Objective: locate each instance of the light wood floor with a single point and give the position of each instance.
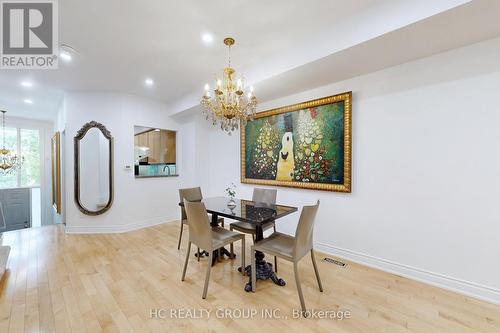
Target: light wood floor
(109, 283)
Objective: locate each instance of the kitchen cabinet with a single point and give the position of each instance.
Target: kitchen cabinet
(169, 141)
(161, 145)
(141, 140)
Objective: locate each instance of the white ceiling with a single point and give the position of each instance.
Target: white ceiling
(464, 25)
(121, 42)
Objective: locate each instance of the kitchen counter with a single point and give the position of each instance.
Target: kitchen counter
(158, 176)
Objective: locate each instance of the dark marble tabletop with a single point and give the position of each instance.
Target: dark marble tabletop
(246, 210)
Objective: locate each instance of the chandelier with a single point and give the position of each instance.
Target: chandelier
(230, 104)
(8, 160)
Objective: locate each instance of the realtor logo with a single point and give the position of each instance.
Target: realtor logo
(29, 34)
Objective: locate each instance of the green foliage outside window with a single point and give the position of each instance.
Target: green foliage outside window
(29, 175)
(30, 149)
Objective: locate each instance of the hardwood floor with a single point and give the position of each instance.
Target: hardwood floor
(110, 283)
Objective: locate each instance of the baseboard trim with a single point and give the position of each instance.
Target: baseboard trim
(118, 229)
(485, 293)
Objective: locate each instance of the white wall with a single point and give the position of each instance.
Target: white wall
(426, 163)
(137, 202)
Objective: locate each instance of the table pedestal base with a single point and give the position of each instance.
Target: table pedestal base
(203, 253)
(215, 257)
(264, 271)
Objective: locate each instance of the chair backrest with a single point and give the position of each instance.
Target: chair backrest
(304, 232)
(190, 194)
(200, 232)
(265, 195)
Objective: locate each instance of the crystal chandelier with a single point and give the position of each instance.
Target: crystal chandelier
(8, 161)
(230, 103)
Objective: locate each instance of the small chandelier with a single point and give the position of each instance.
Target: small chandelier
(8, 161)
(230, 103)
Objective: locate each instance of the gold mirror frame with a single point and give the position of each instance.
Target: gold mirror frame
(55, 150)
(79, 136)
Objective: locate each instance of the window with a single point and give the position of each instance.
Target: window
(25, 142)
(30, 149)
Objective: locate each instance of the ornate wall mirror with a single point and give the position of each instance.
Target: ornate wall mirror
(93, 169)
(55, 152)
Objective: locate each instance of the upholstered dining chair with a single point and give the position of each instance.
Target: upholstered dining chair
(208, 238)
(190, 194)
(264, 195)
(292, 248)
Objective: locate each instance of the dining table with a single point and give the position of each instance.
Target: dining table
(256, 213)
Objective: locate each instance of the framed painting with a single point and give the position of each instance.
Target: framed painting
(305, 145)
(55, 152)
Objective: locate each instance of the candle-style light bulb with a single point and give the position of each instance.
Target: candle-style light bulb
(219, 84)
(207, 90)
(251, 89)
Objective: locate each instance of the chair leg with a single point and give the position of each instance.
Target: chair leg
(316, 271)
(242, 255)
(186, 262)
(198, 253)
(180, 236)
(253, 279)
(299, 288)
(253, 238)
(207, 277)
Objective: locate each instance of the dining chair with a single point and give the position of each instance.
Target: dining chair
(264, 195)
(190, 194)
(208, 238)
(291, 248)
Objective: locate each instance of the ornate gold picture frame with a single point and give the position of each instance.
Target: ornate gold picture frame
(55, 149)
(305, 145)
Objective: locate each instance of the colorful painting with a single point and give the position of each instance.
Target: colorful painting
(306, 145)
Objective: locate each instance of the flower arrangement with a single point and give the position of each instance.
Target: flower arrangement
(231, 191)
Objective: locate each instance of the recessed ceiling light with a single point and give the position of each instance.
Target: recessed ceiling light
(27, 84)
(149, 82)
(65, 55)
(66, 52)
(28, 101)
(207, 38)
